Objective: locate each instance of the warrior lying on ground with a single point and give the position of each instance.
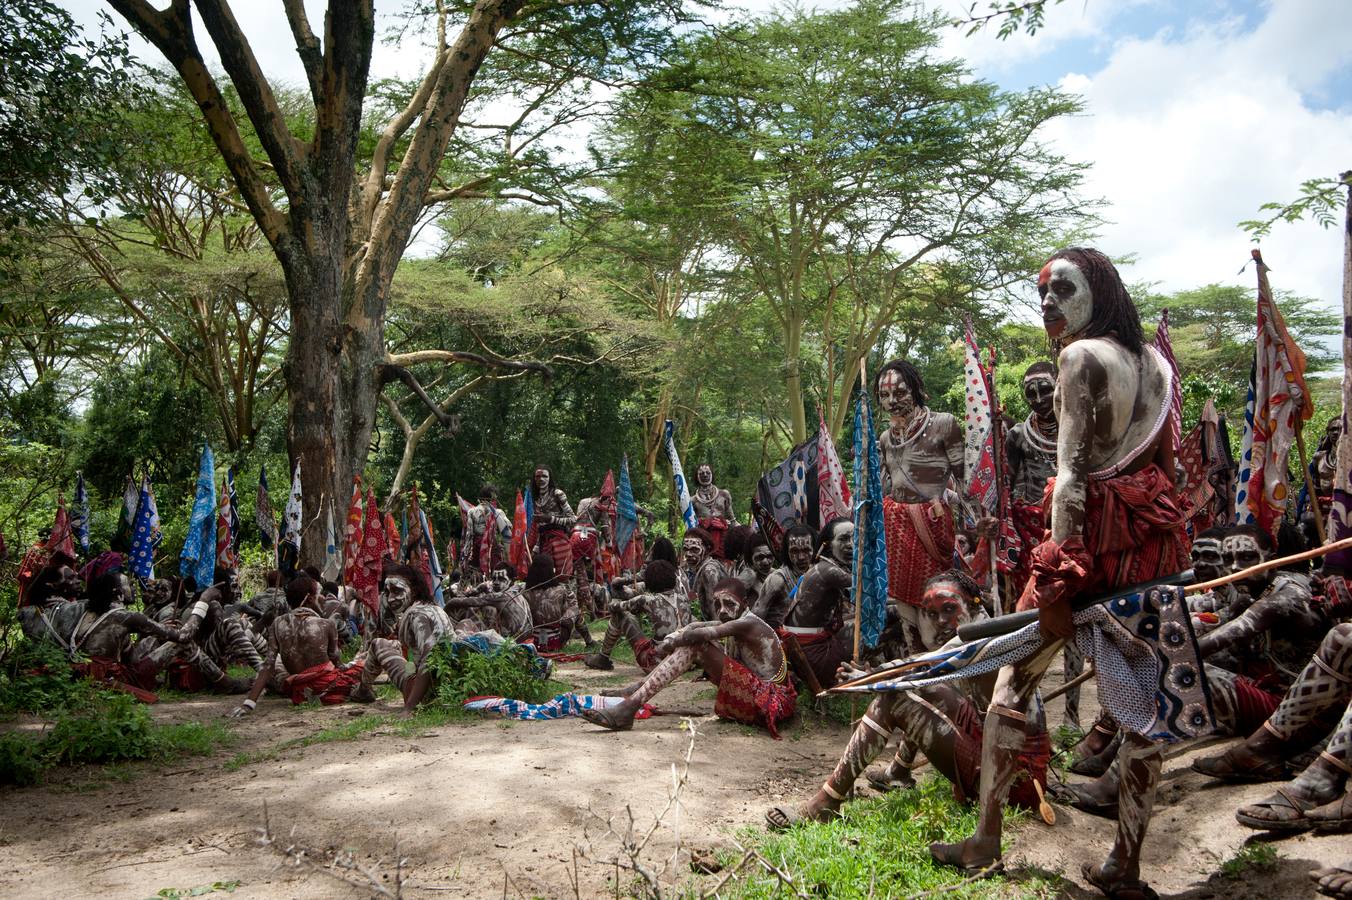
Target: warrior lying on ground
(1113, 522)
(816, 619)
(507, 600)
(304, 643)
(943, 721)
(421, 627)
(753, 682)
(658, 597)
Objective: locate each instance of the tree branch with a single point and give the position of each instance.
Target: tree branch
(307, 47)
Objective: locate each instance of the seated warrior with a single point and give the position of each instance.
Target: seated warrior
(944, 721)
(555, 615)
(753, 681)
(702, 571)
(422, 625)
(758, 561)
(514, 620)
(658, 597)
(713, 510)
(50, 613)
(821, 606)
(304, 643)
(269, 602)
(780, 590)
(212, 640)
(734, 550)
(1208, 564)
(921, 450)
(487, 529)
(553, 523)
(103, 635)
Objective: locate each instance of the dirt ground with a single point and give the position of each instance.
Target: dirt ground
(488, 808)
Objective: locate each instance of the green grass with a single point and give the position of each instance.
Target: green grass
(1251, 859)
(879, 848)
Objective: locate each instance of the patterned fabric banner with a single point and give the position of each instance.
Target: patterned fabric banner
(978, 452)
(832, 491)
(264, 517)
(682, 488)
(225, 547)
(145, 534)
(626, 514)
(333, 559)
(198, 559)
(352, 534)
(870, 542)
(79, 520)
(1166, 348)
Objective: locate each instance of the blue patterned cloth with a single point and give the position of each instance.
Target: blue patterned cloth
(145, 533)
(626, 517)
(198, 559)
(870, 542)
(561, 707)
(682, 488)
(79, 514)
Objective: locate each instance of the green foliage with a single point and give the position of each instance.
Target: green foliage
(1321, 199)
(508, 671)
(1255, 858)
(120, 728)
(879, 847)
(37, 678)
(21, 759)
(201, 890)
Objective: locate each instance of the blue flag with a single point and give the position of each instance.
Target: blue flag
(79, 516)
(870, 544)
(682, 489)
(626, 518)
(530, 508)
(145, 533)
(198, 560)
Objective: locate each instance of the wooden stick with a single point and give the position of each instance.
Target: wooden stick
(798, 661)
(1278, 563)
(1314, 494)
(1077, 680)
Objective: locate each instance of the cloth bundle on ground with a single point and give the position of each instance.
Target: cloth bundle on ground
(561, 707)
(325, 681)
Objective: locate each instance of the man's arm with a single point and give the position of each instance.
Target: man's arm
(141, 624)
(954, 449)
(1076, 389)
(260, 680)
(335, 652)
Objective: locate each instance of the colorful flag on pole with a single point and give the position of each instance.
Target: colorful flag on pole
(870, 544)
(366, 580)
(126, 520)
(79, 520)
(1279, 404)
(1166, 348)
(392, 545)
(518, 551)
(225, 547)
(979, 450)
(264, 517)
(145, 533)
(198, 559)
(333, 560)
(352, 533)
(60, 540)
(416, 546)
(833, 491)
(626, 510)
(788, 493)
(682, 489)
(433, 563)
(288, 544)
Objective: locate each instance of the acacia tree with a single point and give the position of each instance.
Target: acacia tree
(341, 225)
(845, 158)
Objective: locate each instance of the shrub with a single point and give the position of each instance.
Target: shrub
(21, 761)
(119, 728)
(509, 670)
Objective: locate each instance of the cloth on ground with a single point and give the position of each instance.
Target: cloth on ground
(561, 707)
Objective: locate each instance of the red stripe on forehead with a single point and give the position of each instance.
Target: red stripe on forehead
(1045, 275)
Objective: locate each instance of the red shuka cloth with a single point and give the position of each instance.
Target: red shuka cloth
(325, 680)
(909, 562)
(745, 697)
(645, 654)
(1253, 705)
(1032, 764)
(717, 529)
(556, 544)
(120, 676)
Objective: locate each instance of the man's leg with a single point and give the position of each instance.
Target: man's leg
(1319, 789)
(1073, 661)
(382, 655)
(622, 625)
(1305, 714)
(621, 717)
(1002, 741)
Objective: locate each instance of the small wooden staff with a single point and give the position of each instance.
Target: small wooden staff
(1314, 494)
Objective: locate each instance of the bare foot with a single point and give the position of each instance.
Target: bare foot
(616, 718)
(976, 854)
(1334, 881)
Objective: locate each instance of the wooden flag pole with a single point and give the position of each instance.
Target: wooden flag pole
(1311, 488)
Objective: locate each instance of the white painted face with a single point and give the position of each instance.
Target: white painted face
(704, 475)
(1067, 301)
(1241, 552)
(398, 592)
(894, 396)
(842, 544)
(762, 560)
(800, 552)
(693, 551)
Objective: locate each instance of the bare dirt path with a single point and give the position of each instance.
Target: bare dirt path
(479, 807)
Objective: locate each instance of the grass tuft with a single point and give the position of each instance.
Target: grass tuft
(1251, 859)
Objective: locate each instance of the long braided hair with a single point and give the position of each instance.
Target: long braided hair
(1114, 312)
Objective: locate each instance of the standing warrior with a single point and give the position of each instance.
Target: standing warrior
(480, 519)
(1030, 448)
(591, 533)
(920, 451)
(554, 518)
(713, 508)
(1114, 522)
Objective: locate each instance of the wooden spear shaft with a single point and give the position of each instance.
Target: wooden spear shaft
(1311, 488)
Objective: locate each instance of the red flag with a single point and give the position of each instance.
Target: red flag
(352, 534)
(518, 554)
(391, 537)
(366, 577)
(60, 539)
(225, 545)
(488, 538)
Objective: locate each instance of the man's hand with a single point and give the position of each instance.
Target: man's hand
(242, 710)
(847, 672)
(1058, 572)
(987, 527)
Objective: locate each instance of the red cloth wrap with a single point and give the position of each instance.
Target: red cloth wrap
(1133, 532)
(745, 697)
(909, 562)
(1253, 705)
(325, 680)
(1031, 766)
(716, 528)
(135, 680)
(1031, 525)
(645, 654)
(183, 676)
(824, 652)
(555, 544)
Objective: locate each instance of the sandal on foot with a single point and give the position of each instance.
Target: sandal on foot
(1334, 817)
(1285, 802)
(1118, 889)
(1229, 766)
(782, 818)
(884, 783)
(951, 855)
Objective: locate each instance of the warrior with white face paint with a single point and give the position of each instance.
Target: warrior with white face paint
(422, 625)
(921, 451)
(701, 570)
(554, 520)
(820, 610)
(1114, 521)
(781, 586)
(713, 509)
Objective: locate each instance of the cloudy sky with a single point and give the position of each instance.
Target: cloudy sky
(1196, 113)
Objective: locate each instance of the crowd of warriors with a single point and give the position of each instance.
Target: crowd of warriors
(1095, 504)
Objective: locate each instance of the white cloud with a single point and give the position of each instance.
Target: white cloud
(1189, 133)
